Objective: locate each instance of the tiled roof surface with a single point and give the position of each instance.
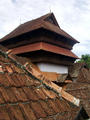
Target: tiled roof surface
(81, 91)
(36, 24)
(24, 97)
(80, 88)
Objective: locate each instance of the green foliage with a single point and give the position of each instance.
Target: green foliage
(85, 59)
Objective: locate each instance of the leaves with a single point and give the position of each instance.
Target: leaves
(85, 59)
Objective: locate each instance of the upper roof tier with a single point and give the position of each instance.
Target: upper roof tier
(47, 22)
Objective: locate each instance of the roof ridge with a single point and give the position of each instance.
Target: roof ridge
(41, 18)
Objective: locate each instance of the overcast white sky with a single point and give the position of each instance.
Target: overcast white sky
(72, 15)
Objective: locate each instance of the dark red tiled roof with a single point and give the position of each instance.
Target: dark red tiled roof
(36, 24)
(46, 47)
(80, 88)
(81, 91)
(25, 97)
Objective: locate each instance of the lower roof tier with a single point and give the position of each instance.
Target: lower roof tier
(45, 47)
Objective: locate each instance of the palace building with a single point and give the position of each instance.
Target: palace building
(44, 43)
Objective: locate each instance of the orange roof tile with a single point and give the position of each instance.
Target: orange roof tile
(23, 96)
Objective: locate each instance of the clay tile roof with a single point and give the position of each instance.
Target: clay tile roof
(25, 97)
(41, 22)
(80, 88)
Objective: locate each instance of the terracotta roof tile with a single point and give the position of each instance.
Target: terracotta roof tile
(62, 117)
(24, 96)
(27, 112)
(41, 94)
(62, 105)
(1, 98)
(9, 69)
(3, 80)
(49, 118)
(9, 80)
(39, 111)
(4, 94)
(11, 95)
(80, 87)
(14, 77)
(14, 112)
(45, 105)
(81, 91)
(30, 93)
(19, 94)
(53, 106)
(3, 113)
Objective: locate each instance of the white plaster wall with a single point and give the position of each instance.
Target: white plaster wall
(47, 67)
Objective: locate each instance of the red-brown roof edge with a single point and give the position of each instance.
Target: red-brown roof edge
(28, 25)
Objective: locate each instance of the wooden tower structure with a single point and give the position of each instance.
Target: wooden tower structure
(44, 42)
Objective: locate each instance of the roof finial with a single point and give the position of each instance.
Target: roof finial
(20, 20)
(50, 8)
